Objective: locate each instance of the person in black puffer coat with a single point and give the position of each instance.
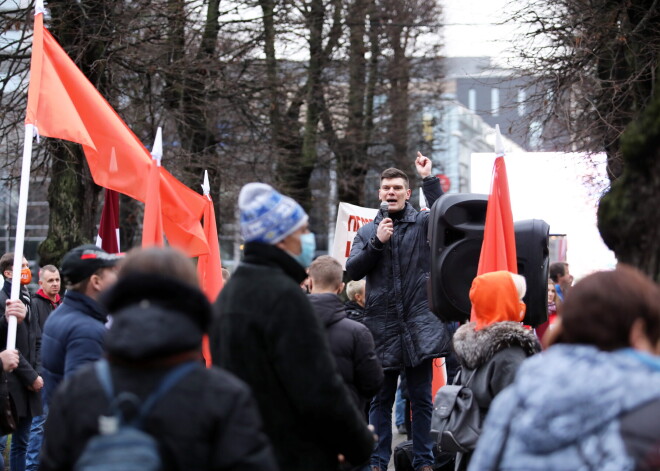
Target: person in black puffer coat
(356, 293)
(393, 253)
(351, 343)
(208, 421)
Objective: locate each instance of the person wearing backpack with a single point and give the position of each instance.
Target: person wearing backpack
(591, 400)
(491, 348)
(206, 420)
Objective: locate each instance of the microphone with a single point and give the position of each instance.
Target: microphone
(384, 209)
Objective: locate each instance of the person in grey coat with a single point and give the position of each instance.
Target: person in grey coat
(393, 253)
(591, 400)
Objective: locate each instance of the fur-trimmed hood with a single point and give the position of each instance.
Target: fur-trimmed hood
(476, 347)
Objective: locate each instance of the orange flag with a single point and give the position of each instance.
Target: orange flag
(63, 104)
(152, 225)
(498, 251)
(209, 267)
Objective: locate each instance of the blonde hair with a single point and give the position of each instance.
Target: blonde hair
(521, 284)
(354, 287)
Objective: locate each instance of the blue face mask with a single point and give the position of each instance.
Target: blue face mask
(308, 242)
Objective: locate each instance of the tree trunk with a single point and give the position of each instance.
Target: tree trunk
(399, 76)
(352, 162)
(72, 199)
(84, 31)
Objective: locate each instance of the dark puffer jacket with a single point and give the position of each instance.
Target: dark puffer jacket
(266, 333)
(490, 358)
(28, 403)
(73, 336)
(352, 345)
(354, 311)
(207, 421)
(405, 331)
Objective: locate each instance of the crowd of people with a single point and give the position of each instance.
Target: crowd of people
(303, 379)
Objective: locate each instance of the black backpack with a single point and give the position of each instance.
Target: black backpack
(122, 445)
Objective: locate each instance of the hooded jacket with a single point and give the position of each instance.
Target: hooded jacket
(265, 332)
(489, 360)
(352, 345)
(42, 306)
(397, 313)
(207, 421)
(574, 407)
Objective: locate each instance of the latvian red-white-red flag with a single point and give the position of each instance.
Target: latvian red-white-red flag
(108, 238)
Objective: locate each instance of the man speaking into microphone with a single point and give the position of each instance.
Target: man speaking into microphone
(393, 253)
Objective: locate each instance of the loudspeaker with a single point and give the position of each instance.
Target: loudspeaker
(532, 241)
(456, 230)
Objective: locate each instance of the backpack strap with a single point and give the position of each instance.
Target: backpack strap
(103, 374)
(170, 379)
(168, 382)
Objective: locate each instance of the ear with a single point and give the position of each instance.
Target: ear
(408, 194)
(95, 282)
(341, 287)
(638, 338)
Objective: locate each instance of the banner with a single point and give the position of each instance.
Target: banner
(349, 219)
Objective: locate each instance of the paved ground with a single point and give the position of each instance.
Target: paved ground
(396, 439)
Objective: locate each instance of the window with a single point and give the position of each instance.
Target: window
(472, 100)
(495, 101)
(521, 102)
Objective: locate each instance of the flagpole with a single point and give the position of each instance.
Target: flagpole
(20, 232)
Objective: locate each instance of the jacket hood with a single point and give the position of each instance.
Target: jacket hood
(155, 316)
(476, 347)
(494, 298)
(266, 254)
(328, 307)
(569, 391)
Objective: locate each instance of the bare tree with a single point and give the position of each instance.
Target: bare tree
(596, 64)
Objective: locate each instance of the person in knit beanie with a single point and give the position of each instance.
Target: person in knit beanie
(265, 332)
(491, 349)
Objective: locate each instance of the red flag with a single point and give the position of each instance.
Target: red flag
(152, 225)
(108, 238)
(209, 267)
(498, 251)
(63, 104)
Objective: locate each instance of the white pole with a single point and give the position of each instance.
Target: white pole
(20, 231)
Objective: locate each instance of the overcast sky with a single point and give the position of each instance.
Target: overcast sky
(472, 30)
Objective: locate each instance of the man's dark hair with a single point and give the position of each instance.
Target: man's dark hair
(601, 309)
(394, 173)
(557, 269)
(7, 262)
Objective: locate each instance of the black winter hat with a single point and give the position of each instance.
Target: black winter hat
(163, 291)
